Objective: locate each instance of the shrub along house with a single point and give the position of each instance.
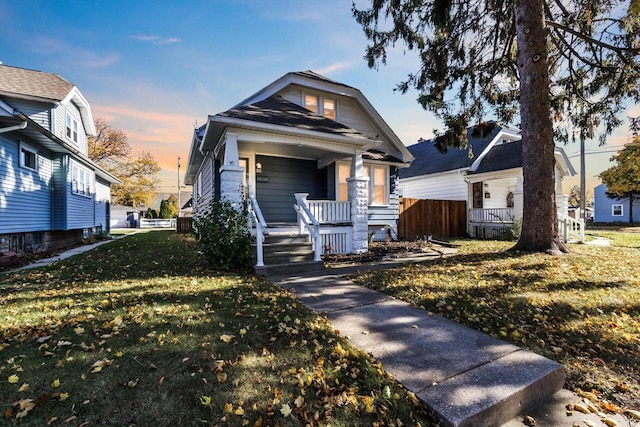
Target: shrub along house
(489, 180)
(51, 194)
(311, 156)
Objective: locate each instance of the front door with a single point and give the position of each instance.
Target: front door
(477, 195)
(280, 178)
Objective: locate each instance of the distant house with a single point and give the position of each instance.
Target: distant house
(51, 194)
(610, 209)
(489, 177)
(304, 144)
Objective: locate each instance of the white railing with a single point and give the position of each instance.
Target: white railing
(157, 223)
(306, 219)
(258, 218)
(500, 215)
(570, 228)
(336, 239)
(330, 211)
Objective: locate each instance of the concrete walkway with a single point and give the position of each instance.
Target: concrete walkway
(43, 262)
(468, 378)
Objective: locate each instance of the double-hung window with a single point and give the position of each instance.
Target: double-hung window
(28, 157)
(320, 105)
(81, 180)
(378, 183)
(616, 210)
(72, 128)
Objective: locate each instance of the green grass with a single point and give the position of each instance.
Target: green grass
(582, 310)
(620, 236)
(139, 332)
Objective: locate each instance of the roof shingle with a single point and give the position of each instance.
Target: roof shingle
(21, 82)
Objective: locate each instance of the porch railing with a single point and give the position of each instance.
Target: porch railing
(570, 228)
(499, 215)
(330, 212)
(308, 220)
(261, 224)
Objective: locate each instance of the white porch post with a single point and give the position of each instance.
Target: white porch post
(358, 190)
(231, 172)
(518, 200)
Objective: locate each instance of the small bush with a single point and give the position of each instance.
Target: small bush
(223, 237)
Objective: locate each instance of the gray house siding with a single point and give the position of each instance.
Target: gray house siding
(25, 195)
(281, 179)
(39, 112)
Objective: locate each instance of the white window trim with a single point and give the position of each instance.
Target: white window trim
(70, 122)
(30, 149)
(90, 178)
(613, 212)
(369, 167)
(320, 100)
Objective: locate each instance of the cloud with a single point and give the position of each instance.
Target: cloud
(335, 67)
(71, 54)
(158, 40)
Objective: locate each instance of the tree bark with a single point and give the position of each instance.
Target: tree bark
(540, 219)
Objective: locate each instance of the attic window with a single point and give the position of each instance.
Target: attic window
(322, 106)
(72, 128)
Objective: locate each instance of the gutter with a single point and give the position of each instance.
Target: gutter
(14, 127)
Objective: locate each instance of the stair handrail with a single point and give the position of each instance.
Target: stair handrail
(261, 224)
(309, 220)
(571, 226)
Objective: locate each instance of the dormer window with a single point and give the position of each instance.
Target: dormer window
(320, 105)
(72, 128)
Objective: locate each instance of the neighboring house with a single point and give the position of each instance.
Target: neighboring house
(610, 209)
(308, 141)
(488, 177)
(187, 208)
(51, 194)
(124, 216)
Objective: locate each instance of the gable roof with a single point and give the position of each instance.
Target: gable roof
(317, 81)
(501, 157)
(428, 160)
(32, 84)
(278, 111)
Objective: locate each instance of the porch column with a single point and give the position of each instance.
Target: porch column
(231, 172)
(358, 190)
(518, 200)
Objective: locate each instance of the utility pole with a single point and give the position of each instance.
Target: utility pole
(179, 203)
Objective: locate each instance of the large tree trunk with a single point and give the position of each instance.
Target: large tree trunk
(539, 222)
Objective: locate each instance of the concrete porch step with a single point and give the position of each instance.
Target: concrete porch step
(287, 257)
(290, 267)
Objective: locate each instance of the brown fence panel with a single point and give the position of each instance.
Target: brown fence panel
(184, 224)
(437, 218)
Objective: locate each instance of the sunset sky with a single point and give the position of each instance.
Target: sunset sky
(155, 69)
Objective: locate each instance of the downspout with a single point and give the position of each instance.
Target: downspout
(15, 127)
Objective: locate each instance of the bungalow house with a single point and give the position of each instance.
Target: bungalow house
(310, 155)
(487, 176)
(611, 209)
(51, 194)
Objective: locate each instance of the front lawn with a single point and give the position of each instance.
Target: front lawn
(621, 236)
(138, 332)
(582, 310)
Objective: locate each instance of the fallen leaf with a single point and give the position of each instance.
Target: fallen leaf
(633, 414)
(285, 410)
(24, 387)
(13, 379)
(205, 400)
(55, 383)
(63, 397)
(609, 422)
(226, 338)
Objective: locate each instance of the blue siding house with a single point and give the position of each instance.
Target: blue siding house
(51, 194)
(608, 209)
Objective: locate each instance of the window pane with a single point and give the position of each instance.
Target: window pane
(329, 106)
(311, 103)
(344, 170)
(379, 185)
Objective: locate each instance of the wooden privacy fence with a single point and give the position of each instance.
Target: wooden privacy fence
(437, 218)
(184, 224)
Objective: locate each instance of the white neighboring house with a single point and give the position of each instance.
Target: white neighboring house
(304, 149)
(489, 178)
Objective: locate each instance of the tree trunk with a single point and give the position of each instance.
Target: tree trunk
(540, 219)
